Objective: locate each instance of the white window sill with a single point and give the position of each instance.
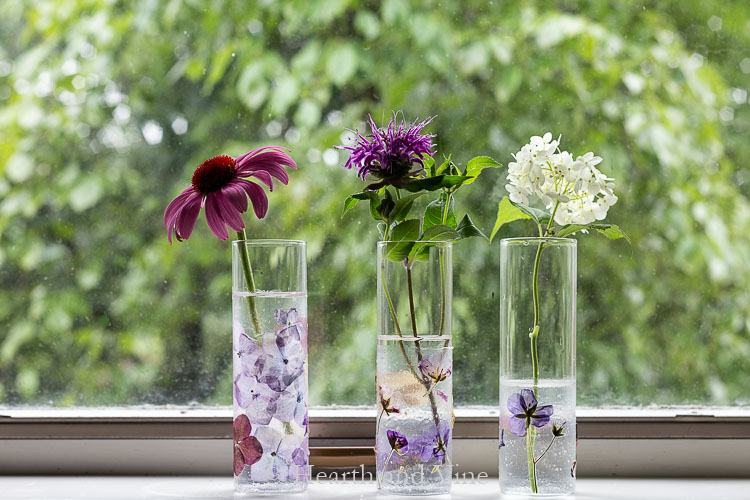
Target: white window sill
(215, 488)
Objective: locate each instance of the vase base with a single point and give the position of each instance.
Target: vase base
(268, 488)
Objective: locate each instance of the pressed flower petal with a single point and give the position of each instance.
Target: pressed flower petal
(251, 450)
(528, 400)
(543, 411)
(517, 426)
(213, 218)
(515, 406)
(188, 216)
(257, 197)
(229, 213)
(242, 427)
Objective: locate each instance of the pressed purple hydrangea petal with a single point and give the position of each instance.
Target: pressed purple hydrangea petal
(247, 448)
(258, 399)
(299, 456)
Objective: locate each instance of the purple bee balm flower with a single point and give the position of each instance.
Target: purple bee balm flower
(257, 398)
(525, 411)
(390, 154)
(398, 442)
(221, 185)
(247, 448)
(435, 367)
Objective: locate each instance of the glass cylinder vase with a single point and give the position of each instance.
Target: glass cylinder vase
(537, 366)
(269, 312)
(414, 364)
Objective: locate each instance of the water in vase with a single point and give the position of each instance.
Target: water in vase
(270, 392)
(415, 414)
(554, 441)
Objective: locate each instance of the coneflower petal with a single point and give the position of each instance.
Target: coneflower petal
(185, 222)
(236, 195)
(213, 218)
(173, 211)
(229, 213)
(257, 196)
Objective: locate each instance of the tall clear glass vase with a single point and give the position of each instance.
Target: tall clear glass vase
(269, 312)
(537, 366)
(414, 365)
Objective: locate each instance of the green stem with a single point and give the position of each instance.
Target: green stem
(535, 331)
(418, 348)
(248, 272)
(442, 270)
(546, 450)
(530, 454)
(382, 473)
(398, 327)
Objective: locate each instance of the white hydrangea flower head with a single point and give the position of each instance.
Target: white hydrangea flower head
(574, 190)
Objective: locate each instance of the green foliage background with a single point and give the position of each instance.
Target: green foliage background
(97, 309)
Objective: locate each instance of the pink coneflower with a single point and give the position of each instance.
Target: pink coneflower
(221, 185)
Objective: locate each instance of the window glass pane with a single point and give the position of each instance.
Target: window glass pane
(106, 108)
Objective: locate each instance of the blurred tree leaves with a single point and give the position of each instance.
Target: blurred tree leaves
(96, 308)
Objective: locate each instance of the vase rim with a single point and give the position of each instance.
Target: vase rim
(270, 241)
(553, 239)
(435, 242)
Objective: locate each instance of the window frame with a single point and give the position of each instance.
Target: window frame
(627, 442)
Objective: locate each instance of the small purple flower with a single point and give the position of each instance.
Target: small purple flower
(435, 368)
(525, 411)
(387, 400)
(390, 154)
(398, 442)
(435, 446)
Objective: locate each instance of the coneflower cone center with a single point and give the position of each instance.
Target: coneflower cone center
(213, 174)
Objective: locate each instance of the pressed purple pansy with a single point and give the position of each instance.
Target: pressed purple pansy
(525, 411)
(435, 445)
(247, 448)
(390, 153)
(435, 368)
(221, 185)
(398, 442)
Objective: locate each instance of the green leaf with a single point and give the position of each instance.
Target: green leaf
(466, 228)
(443, 167)
(401, 207)
(476, 165)
(435, 183)
(611, 231)
(352, 200)
(439, 232)
(433, 214)
(507, 212)
(403, 236)
(539, 216)
(429, 164)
